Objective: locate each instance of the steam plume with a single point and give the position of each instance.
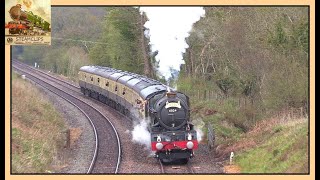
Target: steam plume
(140, 133)
(168, 28)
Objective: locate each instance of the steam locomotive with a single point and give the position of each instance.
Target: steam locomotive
(173, 136)
(26, 23)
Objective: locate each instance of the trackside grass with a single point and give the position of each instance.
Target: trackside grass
(36, 129)
(284, 151)
(272, 145)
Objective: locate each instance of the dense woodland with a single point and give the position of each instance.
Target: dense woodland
(247, 62)
(112, 36)
(250, 62)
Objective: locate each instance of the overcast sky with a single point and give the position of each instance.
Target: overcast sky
(168, 28)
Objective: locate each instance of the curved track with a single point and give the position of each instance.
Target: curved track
(107, 156)
(132, 160)
(64, 83)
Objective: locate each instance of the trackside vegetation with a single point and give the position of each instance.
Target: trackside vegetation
(247, 66)
(285, 151)
(36, 132)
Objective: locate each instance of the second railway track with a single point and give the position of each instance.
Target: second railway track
(41, 73)
(108, 154)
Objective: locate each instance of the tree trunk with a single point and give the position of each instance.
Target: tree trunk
(205, 47)
(146, 59)
(192, 62)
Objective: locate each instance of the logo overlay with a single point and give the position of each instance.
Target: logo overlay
(28, 22)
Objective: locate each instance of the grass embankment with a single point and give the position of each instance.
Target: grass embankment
(280, 148)
(225, 131)
(36, 129)
(275, 145)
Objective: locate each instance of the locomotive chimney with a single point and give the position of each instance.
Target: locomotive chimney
(170, 93)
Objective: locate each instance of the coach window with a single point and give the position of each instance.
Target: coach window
(91, 78)
(107, 84)
(116, 89)
(124, 91)
(98, 79)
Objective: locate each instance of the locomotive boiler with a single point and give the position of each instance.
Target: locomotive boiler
(173, 136)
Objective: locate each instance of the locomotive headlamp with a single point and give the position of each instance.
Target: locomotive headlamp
(158, 139)
(159, 145)
(190, 144)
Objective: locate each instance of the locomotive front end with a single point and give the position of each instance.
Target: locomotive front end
(173, 145)
(173, 137)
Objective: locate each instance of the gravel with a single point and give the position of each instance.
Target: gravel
(76, 158)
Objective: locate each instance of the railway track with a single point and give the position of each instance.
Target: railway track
(131, 157)
(64, 83)
(176, 168)
(107, 155)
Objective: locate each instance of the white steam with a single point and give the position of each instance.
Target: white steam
(140, 133)
(199, 134)
(198, 126)
(168, 28)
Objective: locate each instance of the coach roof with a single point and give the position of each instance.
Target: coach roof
(139, 83)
